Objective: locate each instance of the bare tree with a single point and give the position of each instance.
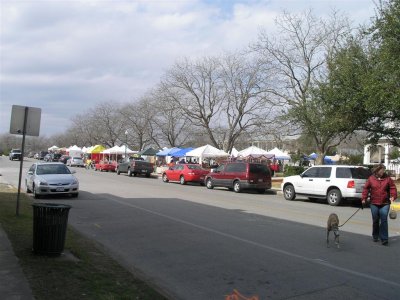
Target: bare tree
(84, 127)
(136, 118)
(299, 57)
(172, 125)
(106, 124)
(196, 88)
(248, 102)
(223, 96)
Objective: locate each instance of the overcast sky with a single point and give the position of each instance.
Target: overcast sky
(67, 56)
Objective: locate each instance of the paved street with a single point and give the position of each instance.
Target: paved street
(195, 243)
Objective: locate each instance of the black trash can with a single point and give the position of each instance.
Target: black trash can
(49, 227)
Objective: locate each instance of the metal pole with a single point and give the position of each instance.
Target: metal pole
(126, 143)
(22, 157)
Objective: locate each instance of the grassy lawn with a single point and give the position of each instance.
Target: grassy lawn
(93, 275)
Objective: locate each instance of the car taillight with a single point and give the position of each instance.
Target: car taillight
(351, 184)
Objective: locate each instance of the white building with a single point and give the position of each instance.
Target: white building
(379, 154)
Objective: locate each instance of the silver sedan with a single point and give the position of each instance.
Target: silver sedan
(50, 179)
(75, 161)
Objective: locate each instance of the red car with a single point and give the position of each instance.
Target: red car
(185, 173)
(104, 166)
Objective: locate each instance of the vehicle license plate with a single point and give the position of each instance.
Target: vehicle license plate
(201, 177)
(59, 189)
(260, 180)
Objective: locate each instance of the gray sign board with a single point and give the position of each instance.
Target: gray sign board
(32, 120)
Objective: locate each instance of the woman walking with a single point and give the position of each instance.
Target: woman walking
(382, 191)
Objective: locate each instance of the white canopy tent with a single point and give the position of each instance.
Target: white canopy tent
(74, 151)
(121, 150)
(116, 150)
(112, 150)
(53, 148)
(234, 152)
(279, 155)
(206, 151)
(255, 152)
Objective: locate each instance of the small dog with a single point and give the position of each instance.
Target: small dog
(333, 225)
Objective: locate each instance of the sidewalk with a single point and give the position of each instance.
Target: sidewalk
(13, 283)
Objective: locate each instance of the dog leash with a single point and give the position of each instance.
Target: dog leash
(350, 217)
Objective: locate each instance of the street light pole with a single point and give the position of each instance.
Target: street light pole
(126, 142)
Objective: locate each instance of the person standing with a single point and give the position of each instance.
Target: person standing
(382, 191)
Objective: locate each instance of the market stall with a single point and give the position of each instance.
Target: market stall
(93, 154)
(74, 151)
(207, 155)
(110, 157)
(279, 154)
(166, 155)
(255, 154)
(53, 148)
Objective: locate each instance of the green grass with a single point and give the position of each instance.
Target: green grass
(94, 275)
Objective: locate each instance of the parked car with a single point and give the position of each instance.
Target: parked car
(50, 179)
(64, 158)
(333, 183)
(42, 154)
(55, 156)
(15, 154)
(238, 176)
(104, 165)
(185, 173)
(47, 157)
(75, 162)
(134, 166)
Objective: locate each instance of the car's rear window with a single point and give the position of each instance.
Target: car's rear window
(259, 169)
(360, 173)
(356, 173)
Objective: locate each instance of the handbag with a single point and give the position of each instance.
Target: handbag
(392, 213)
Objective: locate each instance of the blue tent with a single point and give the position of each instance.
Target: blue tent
(327, 160)
(172, 151)
(167, 151)
(182, 152)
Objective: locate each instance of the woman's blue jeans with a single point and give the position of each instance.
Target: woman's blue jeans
(380, 221)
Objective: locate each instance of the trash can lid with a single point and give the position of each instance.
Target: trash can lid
(51, 205)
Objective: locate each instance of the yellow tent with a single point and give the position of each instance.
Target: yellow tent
(95, 149)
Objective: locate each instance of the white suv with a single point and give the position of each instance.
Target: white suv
(331, 182)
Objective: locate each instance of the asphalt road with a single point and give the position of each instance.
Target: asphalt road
(194, 243)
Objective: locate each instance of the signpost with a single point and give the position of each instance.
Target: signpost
(24, 121)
